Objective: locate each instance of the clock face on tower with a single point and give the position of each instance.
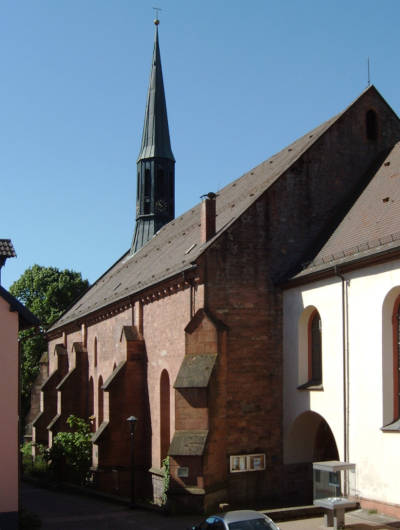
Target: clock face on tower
(161, 205)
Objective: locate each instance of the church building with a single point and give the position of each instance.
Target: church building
(251, 336)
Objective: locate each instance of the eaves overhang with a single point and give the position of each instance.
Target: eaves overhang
(126, 299)
(26, 318)
(345, 264)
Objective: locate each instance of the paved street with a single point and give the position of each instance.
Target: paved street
(358, 520)
(64, 511)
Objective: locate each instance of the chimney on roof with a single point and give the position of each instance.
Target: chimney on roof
(6, 251)
(208, 217)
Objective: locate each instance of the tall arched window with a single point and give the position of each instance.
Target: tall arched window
(100, 401)
(371, 123)
(95, 351)
(164, 414)
(147, 191)
(396, 359)
(314, 349)
(91, 404)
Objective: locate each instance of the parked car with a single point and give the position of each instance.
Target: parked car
(237, 520)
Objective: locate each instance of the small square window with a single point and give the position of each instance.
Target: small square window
(183, 472)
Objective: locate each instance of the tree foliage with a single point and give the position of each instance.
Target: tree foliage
(46, 292)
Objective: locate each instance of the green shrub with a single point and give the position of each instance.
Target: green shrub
(27, 458)
(166, 479)
(34, 467)
(70, 456)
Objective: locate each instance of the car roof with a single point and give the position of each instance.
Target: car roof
(240, 515)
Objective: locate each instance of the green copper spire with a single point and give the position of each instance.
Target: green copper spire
(155, 200)
(155, 139)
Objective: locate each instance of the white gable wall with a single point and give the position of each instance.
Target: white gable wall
(371, 294)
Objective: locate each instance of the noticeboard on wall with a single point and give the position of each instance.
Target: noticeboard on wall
(242, 463)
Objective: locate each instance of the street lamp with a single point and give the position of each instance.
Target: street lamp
(132, 422)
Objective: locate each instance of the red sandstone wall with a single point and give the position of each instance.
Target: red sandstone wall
(164, 322)
(306, 204)
(246, 404)
(110, 351)
(75, 336)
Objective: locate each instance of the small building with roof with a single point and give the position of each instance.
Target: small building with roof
(14, 317)
(195, 329)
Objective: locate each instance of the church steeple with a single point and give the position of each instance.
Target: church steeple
(155, 202)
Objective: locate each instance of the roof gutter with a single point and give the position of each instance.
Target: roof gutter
(317, 274)
(346, 389)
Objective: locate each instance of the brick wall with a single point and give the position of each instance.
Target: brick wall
(164, 322)
(285, 226)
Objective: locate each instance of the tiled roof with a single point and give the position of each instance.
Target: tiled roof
(7, 249)
(177, 245)
(188, 443)
(155, 139)
(371, 225)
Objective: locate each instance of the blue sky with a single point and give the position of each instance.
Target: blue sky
(242, 80)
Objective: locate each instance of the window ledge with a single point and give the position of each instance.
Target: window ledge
(392, 427)
(311, 385)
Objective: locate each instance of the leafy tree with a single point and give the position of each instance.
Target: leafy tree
(46, 292)
(70, 456)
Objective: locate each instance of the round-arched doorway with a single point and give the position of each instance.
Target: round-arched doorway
(310, 439)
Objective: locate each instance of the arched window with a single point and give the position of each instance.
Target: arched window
(91, 405)
(95, 352)
(100, 401)
(371, 123)
(390, 360)
(147, 191)
(314, 349)
(396, 359)
(164, 415)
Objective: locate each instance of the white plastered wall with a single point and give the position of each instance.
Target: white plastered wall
(298, 303)
(371, 294)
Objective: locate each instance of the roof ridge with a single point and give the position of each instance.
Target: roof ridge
(164, 255)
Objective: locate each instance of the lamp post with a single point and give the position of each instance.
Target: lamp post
(132, 422)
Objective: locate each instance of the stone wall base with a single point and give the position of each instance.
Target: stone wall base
(157, 480)
(391, 510)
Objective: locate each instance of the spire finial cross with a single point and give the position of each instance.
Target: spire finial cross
(369, 76)
(157, 10)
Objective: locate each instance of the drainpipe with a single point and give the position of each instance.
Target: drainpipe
(345, 342)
